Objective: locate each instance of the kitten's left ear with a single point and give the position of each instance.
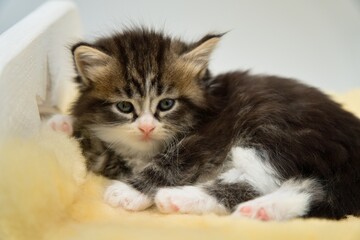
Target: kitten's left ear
(200, 54)
(90, 62)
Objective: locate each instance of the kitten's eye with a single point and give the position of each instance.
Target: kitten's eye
(166, 104)
(125, 107)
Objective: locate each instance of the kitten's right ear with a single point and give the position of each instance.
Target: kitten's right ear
(89, 62)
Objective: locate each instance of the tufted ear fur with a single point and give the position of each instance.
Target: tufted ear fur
(90, 62)
(200, 53)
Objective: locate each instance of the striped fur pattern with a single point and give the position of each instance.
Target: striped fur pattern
(151, 117)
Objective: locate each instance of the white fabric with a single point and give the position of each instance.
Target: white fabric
(35, 63)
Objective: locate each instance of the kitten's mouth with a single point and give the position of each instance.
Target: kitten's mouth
(145, 138)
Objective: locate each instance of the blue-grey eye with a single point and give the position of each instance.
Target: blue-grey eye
(125, 107)
(166, 104)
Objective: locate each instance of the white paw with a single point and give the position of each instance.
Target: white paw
(188, 199)
(61, 123)
(255, 210)
(283, 204)
(120, 194)
(267, 208)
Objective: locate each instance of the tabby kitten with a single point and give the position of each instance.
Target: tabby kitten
(151, 117)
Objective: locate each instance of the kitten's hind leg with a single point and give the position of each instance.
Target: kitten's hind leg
(293, 199)
(61, 123)
(248, 178)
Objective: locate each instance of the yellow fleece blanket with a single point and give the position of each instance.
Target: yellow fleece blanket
(45, 193)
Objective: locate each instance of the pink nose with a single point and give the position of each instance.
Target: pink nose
(146, 129)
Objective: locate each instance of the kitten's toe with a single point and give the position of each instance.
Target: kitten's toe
(256, 210)
(262, 215)
(61, 123)
(112, 196)
(120, 194)
(163, 201)
(188, 199)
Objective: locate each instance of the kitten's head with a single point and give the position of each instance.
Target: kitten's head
(140, 89)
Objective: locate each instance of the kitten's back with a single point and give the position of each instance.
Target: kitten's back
(305, 133)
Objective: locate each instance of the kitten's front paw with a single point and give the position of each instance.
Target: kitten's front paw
(120, 194)
(61, 123)
(188, 199)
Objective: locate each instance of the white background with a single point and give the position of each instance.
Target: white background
(316, 41)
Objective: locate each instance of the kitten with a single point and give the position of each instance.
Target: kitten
(151, 117)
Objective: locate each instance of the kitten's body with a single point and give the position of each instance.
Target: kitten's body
(258, 146)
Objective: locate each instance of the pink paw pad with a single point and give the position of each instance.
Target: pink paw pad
(61, 123)
(170, 205)
(246, 210)
(259, 214)
(174, 207)
(65, 127)
(262, 215)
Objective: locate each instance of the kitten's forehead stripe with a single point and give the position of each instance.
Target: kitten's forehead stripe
(159, 88)
(147, 86)
(143, 54)
(128, 91)
(138, 87)
(149, 83)
(160, 64)
(122, 56)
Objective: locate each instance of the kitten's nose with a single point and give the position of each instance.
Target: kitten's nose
(146, 128)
